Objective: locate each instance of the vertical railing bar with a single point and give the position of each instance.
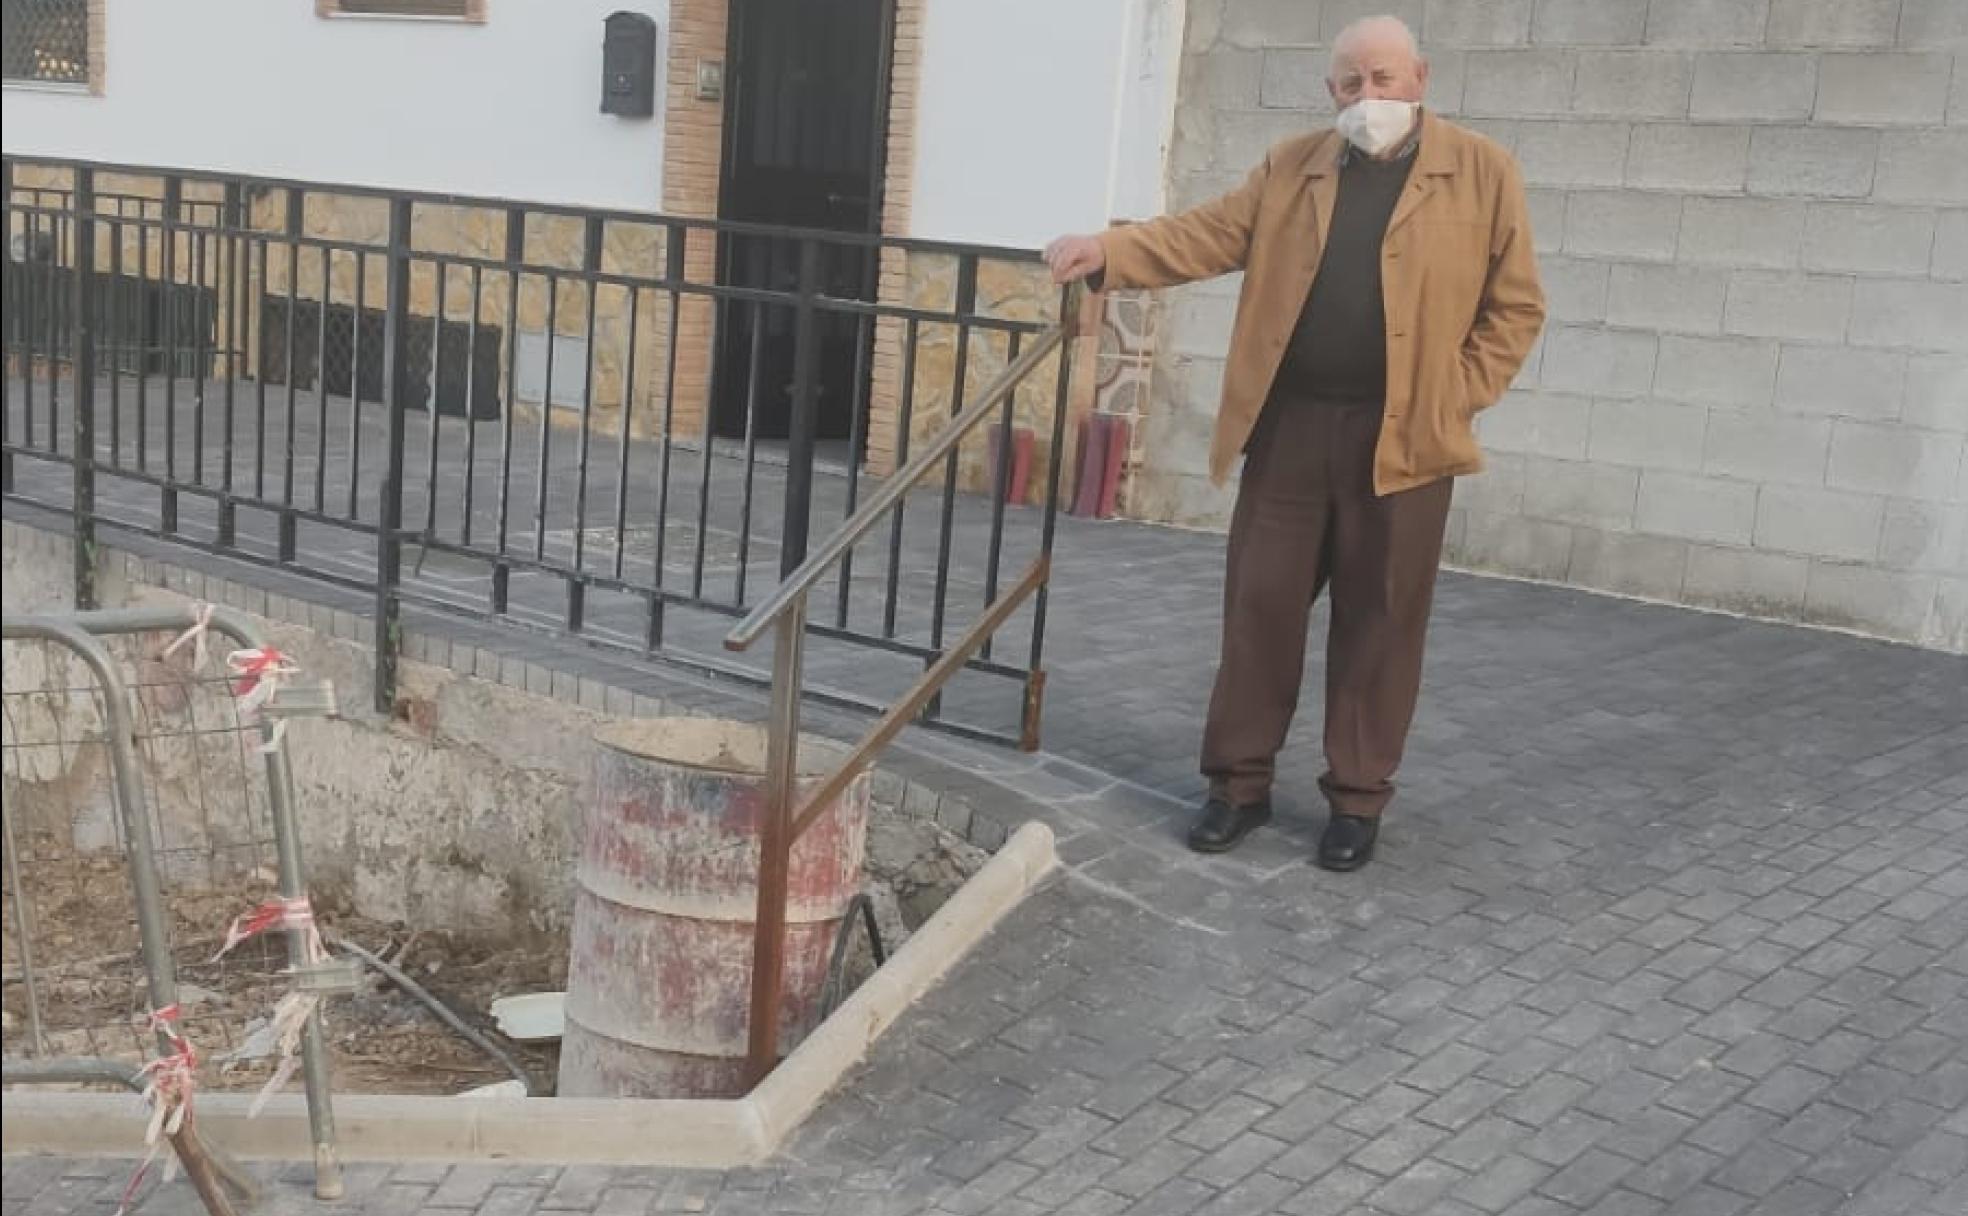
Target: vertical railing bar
(753, 360)
(51, 347)
(355, 380)
(255, 323)
(966, 306)
(389, 528)
(904, 424)
(19, 306)
(471, 405)
(1069, 320)
(10, 313)
(625, 429)
(804, 423)
(295, 221)
(509, 403)
(57, 346)
(546, 424)
(83, 370)
(515, 253)
(111, 338)
(721, 310)
(168, 269)
(1000, 489)
(673, 258)
(200, 251)
(577, 587)
(431, 433)
(856, 436)
(321, 378)
(143, 348)
(229, 246)
(591, 264)
(36, 286)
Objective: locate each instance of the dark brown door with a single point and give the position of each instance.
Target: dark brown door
(805, 125)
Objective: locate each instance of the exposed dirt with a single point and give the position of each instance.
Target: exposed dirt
(90, 984)
(92, 996)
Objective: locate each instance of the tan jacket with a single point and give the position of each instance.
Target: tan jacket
(1457, 267)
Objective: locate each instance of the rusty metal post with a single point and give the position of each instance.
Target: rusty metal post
(776, 843)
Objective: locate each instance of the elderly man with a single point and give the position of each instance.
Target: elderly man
(1390, 293)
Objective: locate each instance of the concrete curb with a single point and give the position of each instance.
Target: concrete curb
(708, 1134)
(784, 1099)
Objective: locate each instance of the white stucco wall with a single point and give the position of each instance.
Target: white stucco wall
(509, 108)
(1019, 135)
(1150, 68)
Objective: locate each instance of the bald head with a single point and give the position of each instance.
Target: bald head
(1376, 57)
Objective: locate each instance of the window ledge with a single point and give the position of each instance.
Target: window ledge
(400, 18)
(61, 87)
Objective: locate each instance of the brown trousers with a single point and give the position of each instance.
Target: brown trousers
(1307, 518)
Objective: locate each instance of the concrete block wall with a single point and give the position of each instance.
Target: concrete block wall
(1752, 217)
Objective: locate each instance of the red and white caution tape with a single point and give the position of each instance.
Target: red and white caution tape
(256, 674)
(256, 681)
(201, 625)
(291, 1014)
(295, 913)
(169, 1081)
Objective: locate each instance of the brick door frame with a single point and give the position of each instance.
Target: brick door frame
(693, 169)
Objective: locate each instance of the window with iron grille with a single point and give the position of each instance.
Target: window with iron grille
(461, 10)
(45, 41)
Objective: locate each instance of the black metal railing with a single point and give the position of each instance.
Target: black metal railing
(524, 413)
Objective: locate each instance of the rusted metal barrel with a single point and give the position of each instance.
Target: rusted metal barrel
(659, 981)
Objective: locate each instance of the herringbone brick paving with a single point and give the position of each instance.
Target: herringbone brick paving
(1671, 920)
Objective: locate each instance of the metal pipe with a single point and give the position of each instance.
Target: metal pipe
(73, 1071)
(24, 926)
(152, 931)
(444, 1012)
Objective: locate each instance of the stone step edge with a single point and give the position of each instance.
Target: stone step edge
(700, 1134)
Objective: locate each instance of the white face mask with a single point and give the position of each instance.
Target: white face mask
(1376, 125)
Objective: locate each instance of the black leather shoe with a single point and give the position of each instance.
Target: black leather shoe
(1222, 825)
(1348, 842)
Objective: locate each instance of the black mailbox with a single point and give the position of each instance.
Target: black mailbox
(628, 65)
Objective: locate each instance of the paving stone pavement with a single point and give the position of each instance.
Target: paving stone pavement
(1671, 919)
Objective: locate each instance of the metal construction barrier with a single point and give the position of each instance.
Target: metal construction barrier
(199, 799)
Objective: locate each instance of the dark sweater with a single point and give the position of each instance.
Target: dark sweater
(1338, 351)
